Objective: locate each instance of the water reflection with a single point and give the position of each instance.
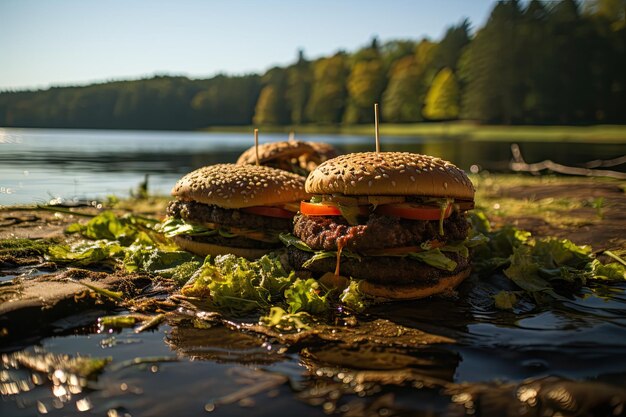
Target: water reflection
(36, 164)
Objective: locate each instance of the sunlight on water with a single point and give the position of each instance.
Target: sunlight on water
(39, 165)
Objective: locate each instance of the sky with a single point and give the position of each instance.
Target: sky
(47, 43)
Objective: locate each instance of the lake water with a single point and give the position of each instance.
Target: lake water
(38, 165)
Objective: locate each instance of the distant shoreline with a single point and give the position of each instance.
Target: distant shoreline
(611, 134)
(457, 130)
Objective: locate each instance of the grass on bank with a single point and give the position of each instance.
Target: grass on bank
(471, 131)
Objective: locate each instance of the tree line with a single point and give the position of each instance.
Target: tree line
(533, 63)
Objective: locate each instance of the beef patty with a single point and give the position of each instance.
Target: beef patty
(199, 213)
(322, 233)
(379, 269)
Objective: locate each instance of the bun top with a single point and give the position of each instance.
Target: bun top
(237, 186)
(275, 150)
(324, 151)
(390, 173)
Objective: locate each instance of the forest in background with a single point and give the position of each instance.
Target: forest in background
(533, 63)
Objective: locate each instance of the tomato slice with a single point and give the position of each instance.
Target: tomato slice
(269, 211)
(319, 209)
(324, 209)
(413, 211)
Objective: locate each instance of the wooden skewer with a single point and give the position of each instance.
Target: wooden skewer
(376, 125)
(256, 145)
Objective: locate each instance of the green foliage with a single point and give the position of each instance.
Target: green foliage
(505, 300)
(225, 101)
(328, 92)
(436, 258)
(365, 86)
(299, 80)
(352, 298)
(239, 286)
(409, 78)
(442, 100)
(613, 271)
(24, 247)
(494, 84)
(539, 266)
(287, 322)
(532, 62)
(129, 242)
(107, 225)
(271, 106)
(451, 46)
(86, 253)
(307, 295)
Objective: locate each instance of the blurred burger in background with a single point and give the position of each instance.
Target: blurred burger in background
(228, 208)
(293, 155)
(396, 221)
(322, 152)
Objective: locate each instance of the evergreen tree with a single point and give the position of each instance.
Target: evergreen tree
(451, 46)
(393, 51)
(571, 49)
(442, 100)
(538, 68)
(495, 87)
(226, 101)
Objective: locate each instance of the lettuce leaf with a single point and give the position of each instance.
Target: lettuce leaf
(85, 253)
(352, 298)
(505, 300)
(150, 259)
(330, 254)
(350, 213)
(174, 227)
(239, 286)
(283, 321)
(613, 271)
(524, 271)
(436, 258)
(107, 226)
(290, 240)
(307, 295)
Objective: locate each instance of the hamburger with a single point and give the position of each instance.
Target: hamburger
(395, 221)
(282, 155)
(322, 152)
(228, 208)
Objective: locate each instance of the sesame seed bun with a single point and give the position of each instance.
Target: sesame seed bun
(324, 151)
(390, 173)
(204, 249)
(413, 291)
(236, 186)
(275, 150)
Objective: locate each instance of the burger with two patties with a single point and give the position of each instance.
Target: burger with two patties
(238, 209)
(396, 221)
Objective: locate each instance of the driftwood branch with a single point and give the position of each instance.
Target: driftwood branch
(518, 164)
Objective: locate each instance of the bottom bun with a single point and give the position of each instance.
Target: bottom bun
(204, 249)
(413, 291)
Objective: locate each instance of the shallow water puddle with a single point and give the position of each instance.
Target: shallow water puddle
(472, 359)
